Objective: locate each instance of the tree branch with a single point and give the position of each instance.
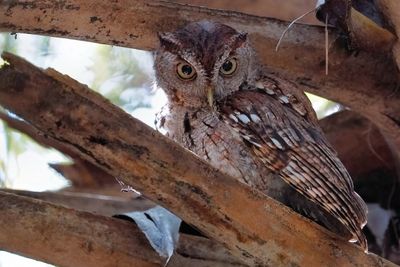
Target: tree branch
(69, 238)
(283, 10)
(81, 173)
(367, 83)
(360, 145)
(391, 10)
(66, 237)
(255, 228)
(99, 204)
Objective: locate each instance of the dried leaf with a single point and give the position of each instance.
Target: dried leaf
(161, 228)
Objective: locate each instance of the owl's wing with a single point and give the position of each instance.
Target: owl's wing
(288, 94)
(297, 151)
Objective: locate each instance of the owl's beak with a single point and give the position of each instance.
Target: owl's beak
(210, 96)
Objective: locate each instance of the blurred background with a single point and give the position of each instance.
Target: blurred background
(126, 77)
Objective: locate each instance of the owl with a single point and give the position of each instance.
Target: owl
(252, 125)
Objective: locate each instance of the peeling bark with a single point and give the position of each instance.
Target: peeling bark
(255, 228)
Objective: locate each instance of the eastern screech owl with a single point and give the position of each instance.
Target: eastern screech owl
(253, 126)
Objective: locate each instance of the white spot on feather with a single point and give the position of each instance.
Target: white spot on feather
(255, 118)
(318, 191)
(259, 85)
(276, 143)
(296, 176)
(243, 118)
(311, 192)
(300, 109)
(256, 144)
(233, 117)
(246, 137)
(269, 91)
(270, 145)
(284, 99)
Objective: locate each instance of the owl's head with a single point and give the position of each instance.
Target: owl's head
(203, 62)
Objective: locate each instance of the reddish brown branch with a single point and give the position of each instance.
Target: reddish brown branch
(367, 83)
(255, 228)
(100, 204)
(69, 238)
(66, 237)
(283, 10)
(81, 173)
(35, 134)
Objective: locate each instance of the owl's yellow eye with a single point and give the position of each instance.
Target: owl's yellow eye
(185, 71)
(229, 67)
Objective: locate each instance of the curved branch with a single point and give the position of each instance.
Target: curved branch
(70, 238)
(228, 211)
(367, 83)
(67, 237)
(99, 204)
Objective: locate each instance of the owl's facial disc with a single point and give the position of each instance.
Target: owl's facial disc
(202, 63)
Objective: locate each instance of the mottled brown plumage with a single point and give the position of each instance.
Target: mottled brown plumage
(252, 125)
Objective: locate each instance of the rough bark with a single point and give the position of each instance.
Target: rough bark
(35, 134)
(67, 237)
(99, 204)
(391, 10)
(81, 173)
(255, 228)
(365, 82)
(359, 144)
(283, 10)
(197, 247)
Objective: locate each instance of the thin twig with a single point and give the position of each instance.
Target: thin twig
(326, 46)
(290, 25)
(371, 147)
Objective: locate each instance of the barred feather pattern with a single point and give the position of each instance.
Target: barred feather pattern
(252, 125)
(295, 149)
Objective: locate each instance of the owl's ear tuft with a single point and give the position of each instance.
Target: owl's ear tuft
(239, 40)
(168, 41)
